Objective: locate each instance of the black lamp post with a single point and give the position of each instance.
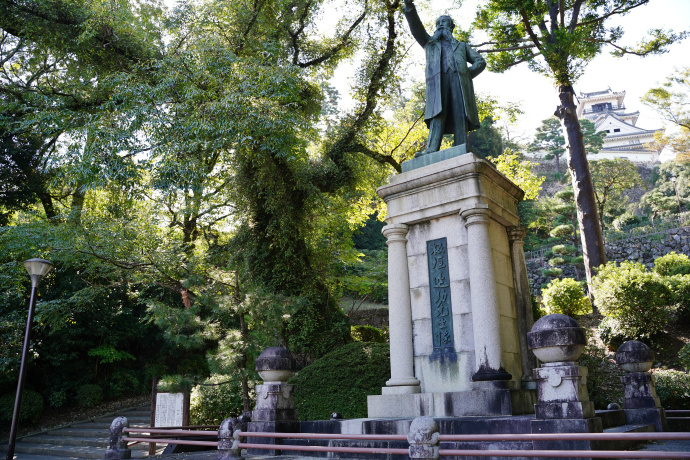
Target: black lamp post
(673, 179)
(37, 269)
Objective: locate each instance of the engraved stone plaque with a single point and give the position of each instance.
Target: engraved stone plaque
(439, 291)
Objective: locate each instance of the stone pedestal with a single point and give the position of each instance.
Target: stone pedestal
(275, 403)
(642, 405)
(564, 405)
(455, 346)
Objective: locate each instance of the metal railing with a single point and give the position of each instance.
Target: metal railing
(230, 441)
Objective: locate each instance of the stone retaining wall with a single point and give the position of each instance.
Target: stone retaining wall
(642, 249)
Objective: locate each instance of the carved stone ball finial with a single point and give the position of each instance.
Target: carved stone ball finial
(275, 364)
(556, 338)
(634, 356)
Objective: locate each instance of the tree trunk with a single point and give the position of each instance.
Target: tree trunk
(48, 207)
(244, 359)
(77, 204)
(590, 232)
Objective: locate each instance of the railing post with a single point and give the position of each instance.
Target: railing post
(118, 446)
(423, 438)
(229, 438)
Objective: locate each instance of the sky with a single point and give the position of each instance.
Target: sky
(536, 94)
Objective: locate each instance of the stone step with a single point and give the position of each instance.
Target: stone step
(81, 432)
(78, 441)
(106, 425)
(80, 452)
(131, 418)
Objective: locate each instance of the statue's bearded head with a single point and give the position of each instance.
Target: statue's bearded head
(445, 22)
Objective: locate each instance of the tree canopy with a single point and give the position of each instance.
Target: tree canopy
(558, 38)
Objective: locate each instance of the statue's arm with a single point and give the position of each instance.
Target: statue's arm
(416, 26)
(477, 61)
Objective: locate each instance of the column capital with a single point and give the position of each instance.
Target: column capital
(476, 216)
(395, 232)
(516, 233)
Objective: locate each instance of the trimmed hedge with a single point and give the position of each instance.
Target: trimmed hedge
(341, 380)
(673, 388)
(89, 395)
(31, 408)
(565, 296)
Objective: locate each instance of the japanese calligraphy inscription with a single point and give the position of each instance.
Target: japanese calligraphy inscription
(439, 291)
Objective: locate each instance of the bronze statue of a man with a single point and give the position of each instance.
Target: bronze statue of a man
(450, 104)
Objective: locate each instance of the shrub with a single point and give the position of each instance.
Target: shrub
(603, 377)
(367, 334)
(680, 286)
(625, 219)
(314, 330)
(673, 388)
(537, 312)
(559, 249)
(341, 380)
(89, 395)
(562, 231)
(219, 398)
(684, 356)
(31, 408)
(57, 398)
(565, 296)
(577, 260)
(637, 299)
(672, 264)
(552, 272)
(611, 333)
(556, 261)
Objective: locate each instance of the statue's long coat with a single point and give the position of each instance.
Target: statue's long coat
(464, 54)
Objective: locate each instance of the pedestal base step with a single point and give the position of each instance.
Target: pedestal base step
(481, 402)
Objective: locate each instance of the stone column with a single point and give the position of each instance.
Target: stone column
(523, 303)
(485, 312)
(399, 313)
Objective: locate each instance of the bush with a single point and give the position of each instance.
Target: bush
(611, 333)
(367, 334)
(341, 381)
(637, 299)
(217, 400)
(562, 231)
(603, 377)
(556, 261)
(536, 311)
(552, 272)
(315, 330)
(89, 395)
(57, 398)
(680, 286)
(673, 388)
(672, 264)
(31, 408)
(565, 296)
(624, 220)
(560, 249)
(684, 356)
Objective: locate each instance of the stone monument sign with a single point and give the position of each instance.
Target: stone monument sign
(459, 302)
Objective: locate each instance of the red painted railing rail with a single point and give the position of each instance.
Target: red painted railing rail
(167, 435)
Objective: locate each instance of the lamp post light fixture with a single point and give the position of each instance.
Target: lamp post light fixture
(37, 269)
(673, 179)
